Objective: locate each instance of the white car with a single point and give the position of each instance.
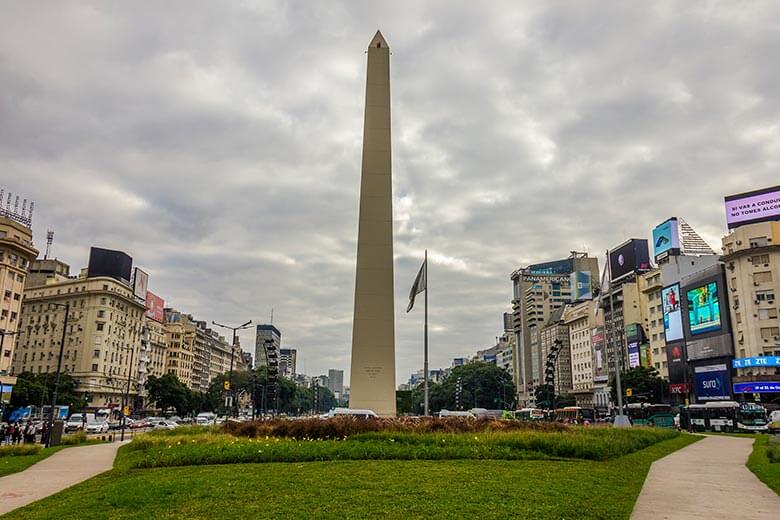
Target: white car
(164, 425)
(97, 427)
(76, 422)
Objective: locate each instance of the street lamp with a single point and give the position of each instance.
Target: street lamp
(59, 367)
(246, 325)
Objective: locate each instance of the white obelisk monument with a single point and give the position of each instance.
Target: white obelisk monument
(372, 384)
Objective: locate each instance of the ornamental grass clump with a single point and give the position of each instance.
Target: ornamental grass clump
(20, 450)
(345, 426)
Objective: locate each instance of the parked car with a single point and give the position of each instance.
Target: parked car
(774, 422)
(75, 422)
(97, 426)
(205, 418)
(140, 423)
(164, 424)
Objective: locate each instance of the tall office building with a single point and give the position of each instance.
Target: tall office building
(288, 358)
(538, 290)
(336, 380)
(16, 254)
(268, 340)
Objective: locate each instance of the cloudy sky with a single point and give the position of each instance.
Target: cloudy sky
(218, 143)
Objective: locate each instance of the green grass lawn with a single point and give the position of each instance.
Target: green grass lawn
(758, 463)
(16, 463)
(365, 489)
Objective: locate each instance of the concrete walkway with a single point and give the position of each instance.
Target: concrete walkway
(55, 473)
(707, 480)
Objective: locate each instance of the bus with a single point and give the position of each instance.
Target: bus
(575, 414)
(529, 414)
(725, 416)
(646, 414)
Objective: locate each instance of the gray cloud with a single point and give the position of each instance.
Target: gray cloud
(220, 144)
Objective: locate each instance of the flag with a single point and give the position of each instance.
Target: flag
(420, 284)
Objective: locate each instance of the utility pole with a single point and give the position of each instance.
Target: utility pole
(59, 367)
(231, 392)
(127, 392)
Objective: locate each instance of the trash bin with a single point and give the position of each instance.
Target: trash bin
(56, 433)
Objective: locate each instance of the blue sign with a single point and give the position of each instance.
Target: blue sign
(760, 361)
(757, 387)
(712, 383)
(666, 237)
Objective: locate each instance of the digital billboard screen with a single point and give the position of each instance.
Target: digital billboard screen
(712, 383)
(633, 354)
(633, 256)
(666, 238)
(107, 262)
(703, 308)
(140, 283)
(677, 362)
(753, 206)
(581, 286)
(599, 344)
(155, 307)
(672, 312)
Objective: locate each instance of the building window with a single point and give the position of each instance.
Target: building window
(760, 260)
(765, 295)
(770, 332)
(759, 242)
(99, 326)
(767, 314)
(101, 314)
(96, 353)
(762, 277)
(94, 367)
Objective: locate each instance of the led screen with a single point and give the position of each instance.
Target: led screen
(754, 206)
(704, 308)
(666, 237)
(673, 327)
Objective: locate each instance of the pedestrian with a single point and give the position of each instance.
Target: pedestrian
(17, 433)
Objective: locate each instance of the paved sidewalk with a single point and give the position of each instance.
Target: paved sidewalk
(55, 473)
(707, 480)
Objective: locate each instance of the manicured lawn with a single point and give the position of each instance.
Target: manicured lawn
(365, 489)
(16, 463)
(758, 463)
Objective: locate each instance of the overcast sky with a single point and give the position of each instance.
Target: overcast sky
(218, 143)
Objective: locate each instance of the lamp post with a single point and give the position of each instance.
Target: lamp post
(233, 405)
(59, 367)
(127, 394)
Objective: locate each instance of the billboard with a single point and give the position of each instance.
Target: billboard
(107, 262)
(753, 206)
(632, 256)
(672, 311)
(155, 307)
(140, 283)
(676, 360)
(760, 361)
(633, 354)
(711, 383)
(757, 387)
(599, 344)
(703, 308)
(712, 347)
(666, 238)
(581, 286)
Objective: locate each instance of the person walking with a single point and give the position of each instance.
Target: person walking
(16, 434)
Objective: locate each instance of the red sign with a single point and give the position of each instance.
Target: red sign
(154, 307)
(679, 388)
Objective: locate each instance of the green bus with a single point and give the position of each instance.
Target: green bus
(646, 414)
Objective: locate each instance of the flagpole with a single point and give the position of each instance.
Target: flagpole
(425, 367)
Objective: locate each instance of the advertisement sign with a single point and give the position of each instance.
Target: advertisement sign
(140, 284)
(581, 289)
(630, 257)
(5, 394)
(645, 358)
(599, 344)
(704, 308)
(666, 238)
(633, 354)
(753, 206)
(107, 262)
(677, 362)
(760, 361)
(672, 312)
(712, 383)
(757, 387)
(707, 348)
(155, 307)
(679, 388)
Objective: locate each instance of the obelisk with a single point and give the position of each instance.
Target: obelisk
(372, 374)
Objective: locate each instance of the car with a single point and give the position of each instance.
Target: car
(75, 422)
(774, 422)
(140, 423)
(97, 426)
(205, 418)
(164, 424)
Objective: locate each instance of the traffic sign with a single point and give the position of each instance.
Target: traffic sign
(226, 385)
(629, 392)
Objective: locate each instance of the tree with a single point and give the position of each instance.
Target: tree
(482, 385)
(645, 383)
(168, 391)
(36, 389)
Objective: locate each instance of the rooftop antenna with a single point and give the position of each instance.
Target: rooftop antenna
(272, 315)
(49, 241)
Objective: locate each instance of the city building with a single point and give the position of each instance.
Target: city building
(16, 255)
(247, 359)
(555, 333)
(538, 290)
(336, 381)
(102, 338)
(588, 365)
(653, 350)
(268, 339)
(288, 358)
(180, 339)
(751, 254)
